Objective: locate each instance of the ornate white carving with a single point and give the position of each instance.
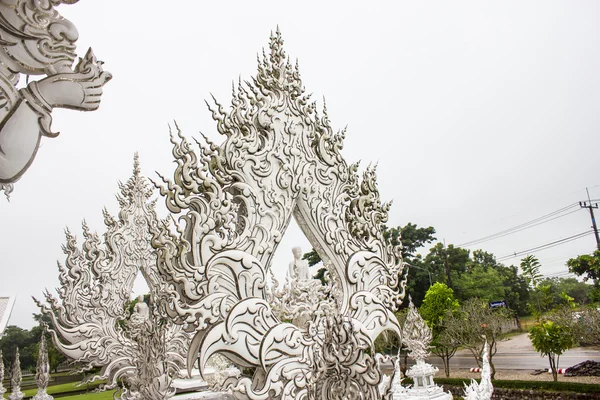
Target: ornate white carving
(42, 374)
(484, 389)
(301, 298)
(16, 378)
(280, 158)
(90, 321)
(416, 337)
(36, 40)
(2, 389)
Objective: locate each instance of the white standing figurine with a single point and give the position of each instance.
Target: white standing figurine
(36, 40)
(298, 269)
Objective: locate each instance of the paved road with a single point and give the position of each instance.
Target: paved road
(517, 353)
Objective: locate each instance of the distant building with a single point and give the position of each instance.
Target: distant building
(6, 306)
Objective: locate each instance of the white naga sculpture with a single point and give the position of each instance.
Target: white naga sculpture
(42, 371)
(416, 337)
(280, 158)
(16, 378)
(484, 389)
(90, 321)
(2, 388)
(36, 40)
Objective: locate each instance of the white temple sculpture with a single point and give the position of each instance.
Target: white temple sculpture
(15, 379)
(42, 371)
(484, 389)
(36, 40)
(301, 298)
(6, 307)
(416, 337)
(91, 322)
(280, 159)
(2, 388)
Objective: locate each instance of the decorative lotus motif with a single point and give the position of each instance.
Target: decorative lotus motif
(280, 158)
(91, 322)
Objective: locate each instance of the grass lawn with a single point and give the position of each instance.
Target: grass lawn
(65, 388)
(108, 395)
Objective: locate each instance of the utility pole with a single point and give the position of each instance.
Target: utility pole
(447, 265)
(591, 207)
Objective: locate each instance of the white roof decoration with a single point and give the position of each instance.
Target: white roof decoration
(6, 306)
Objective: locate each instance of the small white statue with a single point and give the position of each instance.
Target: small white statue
(141, 311)
(16, 379)
(42, 376)
(298, 268)
(484, 389)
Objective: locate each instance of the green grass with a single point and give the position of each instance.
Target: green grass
(63, 388)
(108, 395)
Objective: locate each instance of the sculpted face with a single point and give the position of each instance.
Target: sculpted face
(297, 252)
(35, 37)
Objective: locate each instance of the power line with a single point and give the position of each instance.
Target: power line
(546, 245)
(530, 224)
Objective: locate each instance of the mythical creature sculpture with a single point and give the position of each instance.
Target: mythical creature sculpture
(42, 372)
(90, 321)
(484, 389)
(2, 388)
(280, 158)
(36, 40)
(16, 378)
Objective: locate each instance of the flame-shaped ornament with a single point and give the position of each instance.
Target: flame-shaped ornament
(280, 159)
(91, 322)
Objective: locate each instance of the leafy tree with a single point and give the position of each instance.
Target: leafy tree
(451, 260)
(473, 323)
(551, 339)
(516, 290)
(484, 259)
(579, 291)
(531, 270)
(411, 237)
(586, 266)
(483, 282)
(439, 302)
(589, 326)
(439, 299)
(15, 337)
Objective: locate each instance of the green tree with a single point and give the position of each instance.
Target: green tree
(516, 290)
(411, 236)
(579, 291)
(439, 302)
(588, 267)
(473, 323)
(483, 282)
(551, 339)
(531, 270)
(452, 261)
(18, 337)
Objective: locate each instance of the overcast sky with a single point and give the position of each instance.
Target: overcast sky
(482, 115)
